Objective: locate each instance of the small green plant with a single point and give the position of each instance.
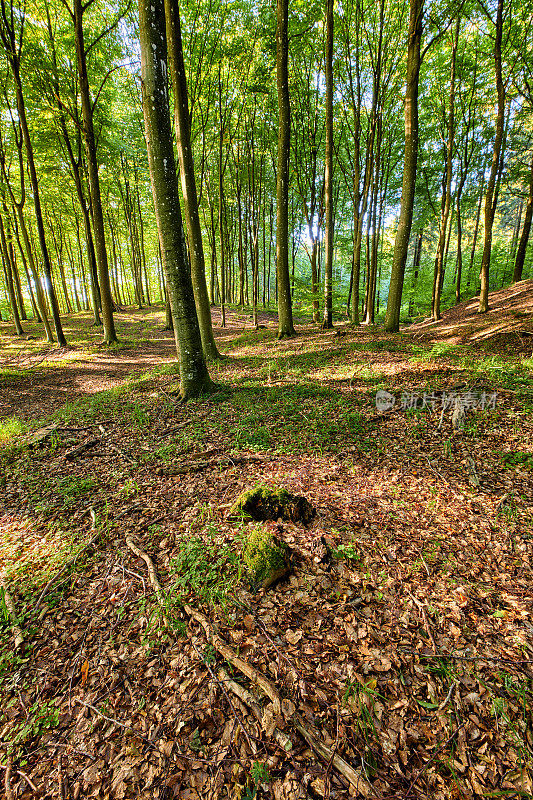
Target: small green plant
(346, 552)
(42, 716)
(259, 774)
(71, 488)
(202, 569)
(140, 417)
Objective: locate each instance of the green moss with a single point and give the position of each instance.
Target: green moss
(265, 502)
(265, 557)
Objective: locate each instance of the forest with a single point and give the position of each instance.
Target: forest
(266, 399)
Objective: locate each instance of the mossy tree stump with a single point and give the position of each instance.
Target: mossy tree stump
(262, 503)
(267, 558)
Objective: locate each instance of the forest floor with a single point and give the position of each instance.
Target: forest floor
(402, 638)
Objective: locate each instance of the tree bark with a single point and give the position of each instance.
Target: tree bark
(524, 236)
(285, 322)
(490, 203)
(403, 232)
(328, 171)
(188, 182)
(194, 376)
(110, 335)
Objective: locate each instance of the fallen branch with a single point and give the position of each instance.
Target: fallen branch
(354, 777)
(226, 652)
(249, 700)
(311, 736)
(10, 605)
(154, 580)
(74, 452)
(198, 466)
(7, 780)
(23, 775)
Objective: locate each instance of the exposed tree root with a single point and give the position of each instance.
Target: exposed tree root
(267, 718)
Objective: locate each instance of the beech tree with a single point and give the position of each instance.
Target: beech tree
(194, 376)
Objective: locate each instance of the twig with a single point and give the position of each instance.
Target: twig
(8, 767)
(7, 779)
(251, 744)
(10, 605)
(60, 778)
(466, 658)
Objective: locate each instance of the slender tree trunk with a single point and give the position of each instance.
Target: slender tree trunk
(490, 200)
(110, 335)
(285, 322)
(403, 232)
(8, 275)
(328, 171)
(54, 306)
(447, 199)
(194, 376)
(524, 236)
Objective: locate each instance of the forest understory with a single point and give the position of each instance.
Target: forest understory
(399, 647)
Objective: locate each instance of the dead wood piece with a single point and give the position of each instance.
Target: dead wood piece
(154, 580)
(41, 435)
(353, 776)
(7, 781)
(249, 700)
(74, 452)
(221, 647)
(10, 605)
(473, 477)
(199, 466)
(271, 503)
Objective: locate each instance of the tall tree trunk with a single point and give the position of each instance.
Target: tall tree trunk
(447, 199)
(110, 335)
(194, 376)
(12, 42)
(328, 171)
(524, 236)
(490, 199)
(8, 275)
(403, 232)
(285, 322)
(188, 183)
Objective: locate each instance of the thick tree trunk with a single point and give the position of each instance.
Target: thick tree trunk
(403, 232)
(194, 376)
(110, 335)
(188, 183)
(285, 322)
(524, 236)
